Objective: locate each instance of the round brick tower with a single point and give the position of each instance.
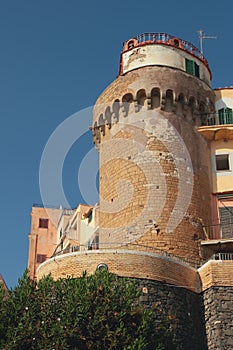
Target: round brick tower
(155, 181)
(154, 165)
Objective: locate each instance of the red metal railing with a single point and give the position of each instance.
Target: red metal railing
(167, 39)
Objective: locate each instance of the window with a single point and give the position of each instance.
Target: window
(226, 221)
(95, 242)
(90, 216)
(192, 68)
(225, 116)
(43, 223)
(40, 258)
(222, 162)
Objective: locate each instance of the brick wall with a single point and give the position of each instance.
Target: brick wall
(142, 189)
(125, 264)
(216, 273)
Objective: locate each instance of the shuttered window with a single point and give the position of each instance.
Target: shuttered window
(225, 116)
(226, 221)
(196, 70)
(192, 68)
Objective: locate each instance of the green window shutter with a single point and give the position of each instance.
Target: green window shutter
(196, 70)
(189, 66)
(225, 116)
(229, 116)
(192, 67)
(221, 116)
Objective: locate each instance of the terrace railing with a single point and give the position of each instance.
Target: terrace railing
(222, 256)
(122, 246)
(165, 38)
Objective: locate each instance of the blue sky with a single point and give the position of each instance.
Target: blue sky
(56, 57)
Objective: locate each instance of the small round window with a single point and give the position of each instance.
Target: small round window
(102, 266)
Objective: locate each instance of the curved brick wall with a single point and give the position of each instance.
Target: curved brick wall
(164, 79)
(123, 263)
(216, 273)
(125, 214)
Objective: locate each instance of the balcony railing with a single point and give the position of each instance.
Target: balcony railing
(121, 246)
(215, 119)
(222, 256)
(109, 245)
(224, 231)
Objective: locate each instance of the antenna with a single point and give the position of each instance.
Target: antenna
(203, 36)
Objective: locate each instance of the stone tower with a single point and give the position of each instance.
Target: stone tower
(155, 180)
(164, 139)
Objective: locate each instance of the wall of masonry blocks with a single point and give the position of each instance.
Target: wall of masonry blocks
(138, 218)
(218, 303)
(125, 263)
(173, 292)
(198, 302)
(125, 190)
(183, 309)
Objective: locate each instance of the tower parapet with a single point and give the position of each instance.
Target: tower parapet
(163, 49)
(157, 71)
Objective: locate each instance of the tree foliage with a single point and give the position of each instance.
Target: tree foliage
(99, 312)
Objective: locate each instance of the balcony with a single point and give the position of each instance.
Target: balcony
(214, 128)
(218, 243)
(222, 256)
(223, 118)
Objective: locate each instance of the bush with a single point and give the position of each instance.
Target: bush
(99, 312)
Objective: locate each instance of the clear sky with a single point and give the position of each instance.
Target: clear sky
(56, 57)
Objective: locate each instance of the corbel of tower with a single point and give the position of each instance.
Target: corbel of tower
(122, 110)
(96, 135)
(208, 110)
(149, 104)
(136, 106)
(109, 122)
(96, 143)
(195, 111)
(108, 119)
(102, 129)
(114, 118)
(174, 105)
(163, 101)
(115, 115)
(185, 104)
